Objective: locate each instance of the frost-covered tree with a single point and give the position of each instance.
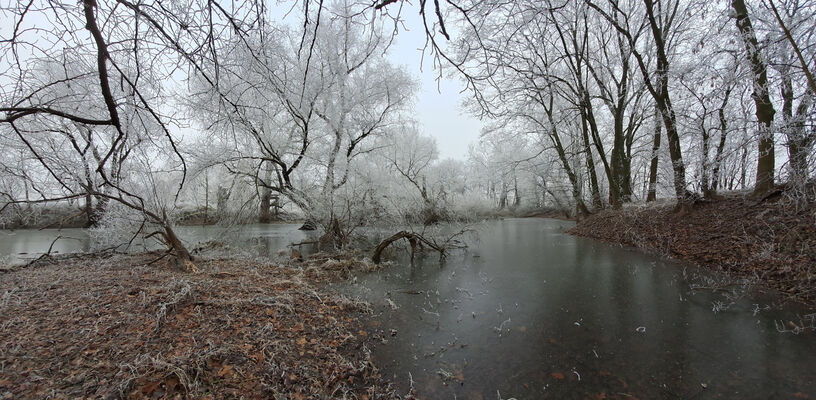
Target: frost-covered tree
(295, 120)
(85, 88)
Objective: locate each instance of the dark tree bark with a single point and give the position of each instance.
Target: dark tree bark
(590, 163)
(743, 168)
(652, 195)
(89, 211)
(660, 92)
(621, 176)
(762, 101)
(265, 196)
(264, 216)
(799, 143)
(705, 166)
(516, 195)
(718, 157)
(179, 251)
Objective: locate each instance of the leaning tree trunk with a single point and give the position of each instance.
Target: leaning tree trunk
(762, 101)
(177, 249)
(653, 164)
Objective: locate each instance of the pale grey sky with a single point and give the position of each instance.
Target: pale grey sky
(438, 109)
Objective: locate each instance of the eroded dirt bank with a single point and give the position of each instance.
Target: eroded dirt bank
(770, 242)
(115, 327)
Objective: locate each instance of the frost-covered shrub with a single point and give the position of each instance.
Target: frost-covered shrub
(123, 229)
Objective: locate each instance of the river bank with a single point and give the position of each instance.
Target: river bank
(62, 216)
(527, 311)
(769, 242)
(120, 327)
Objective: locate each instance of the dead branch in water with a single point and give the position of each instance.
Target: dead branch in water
(418, 241)
(47, 255)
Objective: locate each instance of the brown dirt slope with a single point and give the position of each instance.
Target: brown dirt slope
(117, 328)
(772, 241)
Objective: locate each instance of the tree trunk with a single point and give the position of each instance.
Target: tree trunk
(503, 195)
(621, 173)
(266, 202)
(675, 153)
(539, 196)
(516, 196)
(222, 197)
(588, 116)
(800, 143)
(718, 157)
(661, 96)
(795, 130)
(652, 195)
(89, 210)
(206, 196)
(660, 93)
(176, 247)
(705, 183)
(590, 163)
(576, 186)
(334, 238)
(99, 209)
(743, 167)
(266, 197)
(619, 184)
(762, 100)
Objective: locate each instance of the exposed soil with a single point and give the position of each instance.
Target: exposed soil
(771, 242)
(116, 327)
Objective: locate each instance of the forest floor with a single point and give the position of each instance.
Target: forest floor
(759, 243)
(119, 327)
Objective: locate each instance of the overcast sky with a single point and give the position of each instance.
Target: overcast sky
(438, 107)
(438, 111)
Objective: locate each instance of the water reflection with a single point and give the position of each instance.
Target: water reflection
(21, 245)
(530, 312)
(17, 246)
